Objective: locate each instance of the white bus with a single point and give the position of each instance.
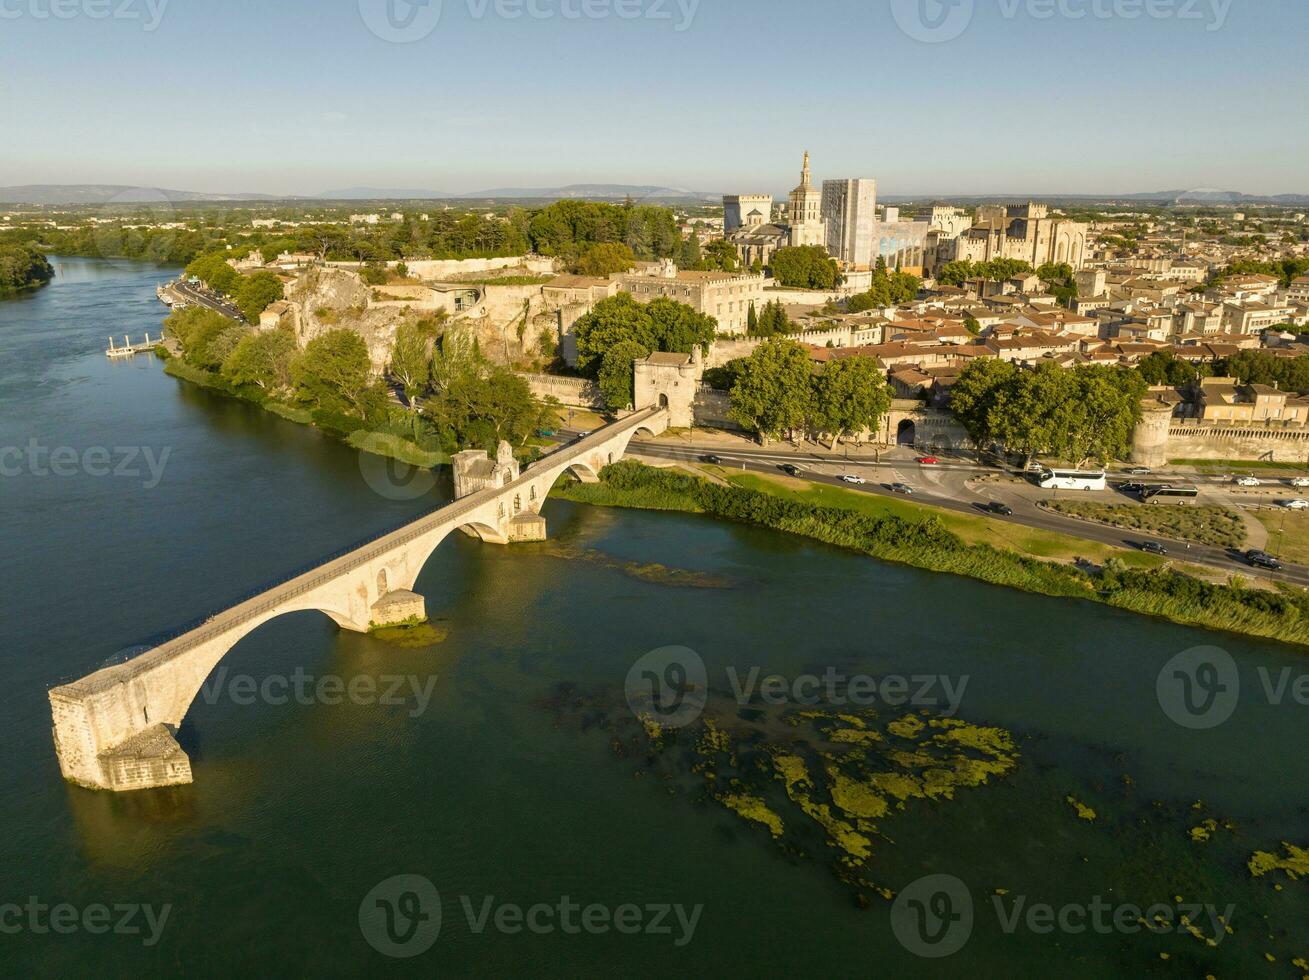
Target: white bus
(1049, 479)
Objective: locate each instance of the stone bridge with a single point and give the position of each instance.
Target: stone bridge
(114, 729)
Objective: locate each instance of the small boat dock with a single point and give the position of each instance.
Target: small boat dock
(127, 348)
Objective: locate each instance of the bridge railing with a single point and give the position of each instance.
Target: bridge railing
(195, 633)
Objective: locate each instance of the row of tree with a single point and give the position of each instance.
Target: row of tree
(958, 273)
(778, 390)
(22, 267)
(1079, 414)
(805, 267)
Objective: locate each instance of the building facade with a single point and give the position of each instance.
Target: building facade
(849, 210)
(746, 211)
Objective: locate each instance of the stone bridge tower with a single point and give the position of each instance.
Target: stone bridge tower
(670, 381)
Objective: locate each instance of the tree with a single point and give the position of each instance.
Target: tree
(850, 398)
(1164, 368)
(617, 373)
(772, 322)
(975, 397)
(887, 289)
(256, 293)
(957, 273)
(1060, 280)
(411, 358)
(262, 358)
(22, 267)
(751, 321)
(690, 257)
(772, 394)
(661, 325)
(605, 260)
(805, 267)
(334, 373)
(721, 255)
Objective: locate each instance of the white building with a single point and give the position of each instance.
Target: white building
(849, 209)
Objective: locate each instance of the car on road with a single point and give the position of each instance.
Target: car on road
(546, 433)
(858, 481)
(1154, 548)
(927, 461)
(1262, 559)
(904, 488)
(790, 469)
(715, 460)
(1139, 471)
(1299, 504)
(583, 435)
(1132, 486)
(1004, 510)
(1248, 481)
(1301, 482)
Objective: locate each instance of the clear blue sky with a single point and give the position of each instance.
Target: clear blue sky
(299, 96)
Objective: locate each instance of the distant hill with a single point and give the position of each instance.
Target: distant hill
(382, 194)
(47, 194)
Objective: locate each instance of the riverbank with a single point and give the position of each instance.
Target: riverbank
(925, 541)
(380, 442)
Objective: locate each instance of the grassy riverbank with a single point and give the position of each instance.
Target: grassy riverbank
(923, 537)
(380, 442)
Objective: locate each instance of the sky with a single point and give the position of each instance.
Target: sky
(931, 97)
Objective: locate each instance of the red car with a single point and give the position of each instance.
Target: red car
(928, 460)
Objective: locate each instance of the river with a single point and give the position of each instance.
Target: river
(484, 780)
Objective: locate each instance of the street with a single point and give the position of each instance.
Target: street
(946, 485)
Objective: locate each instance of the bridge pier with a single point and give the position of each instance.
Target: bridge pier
(401, 606)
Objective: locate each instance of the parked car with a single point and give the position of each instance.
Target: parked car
(928, 460)
(858, 481)
(1301, 482)
(1004, 510)
(1262, 559)
(1248, 481)
(1154, 548)
(715, 460)
(546, 433)
(1300, 504)
(902, 488)
(1139, 471)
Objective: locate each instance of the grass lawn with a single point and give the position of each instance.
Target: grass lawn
(1215, 526)
(1237, 465)
(973, 530)
(1288, 534)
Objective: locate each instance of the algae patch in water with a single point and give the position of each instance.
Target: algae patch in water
(412, 636)
(820, 783)
(1295, 862)
(653, 572)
